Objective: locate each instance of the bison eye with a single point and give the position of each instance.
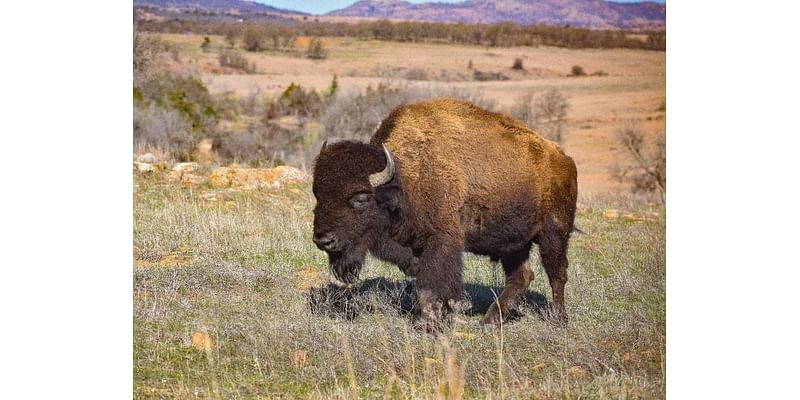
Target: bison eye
(360, 200)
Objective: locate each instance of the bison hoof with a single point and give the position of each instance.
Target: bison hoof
(558, 316)
(433, 326)
(433, 322)
(492, 317)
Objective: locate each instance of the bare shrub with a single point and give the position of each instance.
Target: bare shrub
(146, 52)
(488, 76)
(253, 39)
(315, 50)
(157, 129)
(544, 112)
(577, 70)
(354, 115)
(232, 59)
(250, 103)
(518, 66)
(416, 74)
(646, 169)
(230, 38)
(265, 145)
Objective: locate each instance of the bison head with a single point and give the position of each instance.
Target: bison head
(357, 192)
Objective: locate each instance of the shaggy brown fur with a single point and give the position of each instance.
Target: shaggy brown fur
(466, 180)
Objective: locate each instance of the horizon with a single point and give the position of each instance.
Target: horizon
(325, 6)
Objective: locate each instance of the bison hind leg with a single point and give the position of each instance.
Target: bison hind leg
(518, 277)
(553, 242)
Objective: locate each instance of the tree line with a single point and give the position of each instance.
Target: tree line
(490, 35)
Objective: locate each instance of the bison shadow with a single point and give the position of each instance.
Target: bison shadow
(396, 297)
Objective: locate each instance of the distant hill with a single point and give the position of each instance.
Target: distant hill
(215, 6)
(583, 13)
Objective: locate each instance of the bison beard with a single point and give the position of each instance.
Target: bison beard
(346, 265)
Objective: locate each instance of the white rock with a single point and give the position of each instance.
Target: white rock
(143, 167)
(186, 167)
(147, 158)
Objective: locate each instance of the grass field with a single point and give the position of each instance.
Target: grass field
(232, 300)
(634, 86)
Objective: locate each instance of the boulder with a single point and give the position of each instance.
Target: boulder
(576, 372)
(256, 178)
(147, 158)
(186, 178)
(186, 167)
(143, 167)
(610, 213)
(204, 151)
(288, 122)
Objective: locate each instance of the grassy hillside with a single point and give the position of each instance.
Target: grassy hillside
(232, 300)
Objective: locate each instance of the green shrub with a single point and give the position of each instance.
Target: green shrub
(296, 101)
(188, 96)
(334, 85)
(301, 102)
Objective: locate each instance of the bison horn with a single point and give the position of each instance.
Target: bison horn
(380, 178)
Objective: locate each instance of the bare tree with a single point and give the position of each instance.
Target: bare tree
(146, 52)
(646, 169)
(544, 112)
(315, 50)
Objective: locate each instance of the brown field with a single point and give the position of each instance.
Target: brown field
(633, 89)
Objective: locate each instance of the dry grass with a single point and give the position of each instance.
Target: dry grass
(227, 305)
(633, 89)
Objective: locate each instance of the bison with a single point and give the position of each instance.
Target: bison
(438, 178)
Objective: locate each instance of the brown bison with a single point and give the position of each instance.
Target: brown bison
(438, 178)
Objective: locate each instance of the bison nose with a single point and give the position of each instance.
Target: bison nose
(325, 241)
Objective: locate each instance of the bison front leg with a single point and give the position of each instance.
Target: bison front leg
(439, 282)
(387, 249)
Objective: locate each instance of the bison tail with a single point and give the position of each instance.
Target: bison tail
(575, 229)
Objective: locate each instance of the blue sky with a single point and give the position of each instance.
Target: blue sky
(324, 6)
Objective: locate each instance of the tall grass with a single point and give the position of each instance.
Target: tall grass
(240, 267)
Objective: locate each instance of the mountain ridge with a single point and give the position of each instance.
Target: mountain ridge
(582, 13)
(218, 6)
